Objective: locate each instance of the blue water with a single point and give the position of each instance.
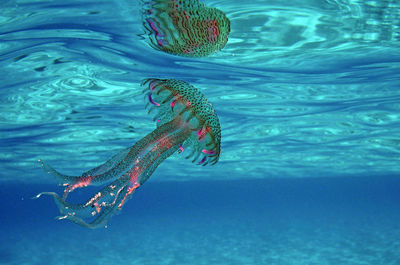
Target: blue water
(308, 100)
(270, 221)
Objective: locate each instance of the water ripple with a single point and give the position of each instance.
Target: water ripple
(303, 89)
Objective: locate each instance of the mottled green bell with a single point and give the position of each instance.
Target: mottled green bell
(185, 28)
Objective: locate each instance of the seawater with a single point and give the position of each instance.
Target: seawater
(308, 99)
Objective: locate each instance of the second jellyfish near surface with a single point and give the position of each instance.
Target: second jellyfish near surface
(185, 119)
(185, 27)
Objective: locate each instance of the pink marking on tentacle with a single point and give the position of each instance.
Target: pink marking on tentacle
(130, 190)
(173, 103)
(209, 152)
(152, 86)
(180, 149)
(160, 42)
(93, 201)
(115, 199)
(98, 207)
(200, 133)
(153, 27)
(152, 101)
(202, 161)
(133, 177)
(83, 183)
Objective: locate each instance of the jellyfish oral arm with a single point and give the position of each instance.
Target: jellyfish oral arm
(97, 176)
(162, 142)
(151, 151)
(110, 170)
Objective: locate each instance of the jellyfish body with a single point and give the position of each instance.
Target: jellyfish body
(185, 27)
(185, 119)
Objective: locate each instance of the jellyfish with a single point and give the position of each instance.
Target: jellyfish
(185, 121)
(185, 27)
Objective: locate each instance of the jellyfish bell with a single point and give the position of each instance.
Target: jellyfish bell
(185, 120)
(174, 99)
(186, 28)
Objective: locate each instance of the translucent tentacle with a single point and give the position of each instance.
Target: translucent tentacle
(149, 153)
(60, 178)
(107, 166)
(96, 176)
(112, 169)
(100, 207)
(103, 217)
(77, 213)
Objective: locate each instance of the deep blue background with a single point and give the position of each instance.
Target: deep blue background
(338, 219)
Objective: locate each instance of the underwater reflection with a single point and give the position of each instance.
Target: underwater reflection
(186, 28)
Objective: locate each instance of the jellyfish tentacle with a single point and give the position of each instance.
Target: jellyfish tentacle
(172, 137)
(93, 176)
(66, 208)
(60, 178)
(101, 205)
(103, 216)
(101, 169)
(160, 144)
